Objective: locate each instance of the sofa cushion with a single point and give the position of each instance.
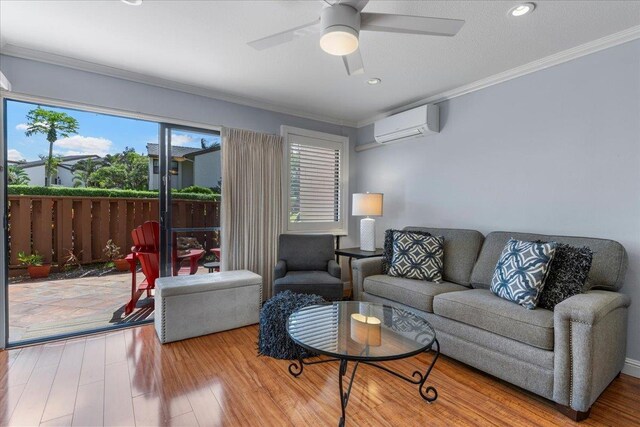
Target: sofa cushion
(608, 267)
(416, 256)
(307, 278)
(414, 293)
(567, 275)
(484, 310)
(461, 248)
(522, 270)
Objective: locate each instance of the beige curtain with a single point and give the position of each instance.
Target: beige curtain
(251, 202)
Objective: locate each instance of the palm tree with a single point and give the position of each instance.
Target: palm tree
(17, 176)
(50, 165)
(82, 172)
(54, 125)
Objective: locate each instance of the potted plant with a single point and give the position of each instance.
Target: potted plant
(34, 265)
(112, 252)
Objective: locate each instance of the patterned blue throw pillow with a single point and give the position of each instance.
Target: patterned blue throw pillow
(417, 256)
(387, 253)
(522, 270)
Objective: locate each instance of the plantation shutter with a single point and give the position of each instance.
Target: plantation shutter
(316, 185)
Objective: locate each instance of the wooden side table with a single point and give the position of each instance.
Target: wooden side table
(356, 253)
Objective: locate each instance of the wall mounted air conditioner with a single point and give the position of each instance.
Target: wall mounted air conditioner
(5, 84)
(412, 123)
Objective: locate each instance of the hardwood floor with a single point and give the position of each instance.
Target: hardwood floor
(127, 378)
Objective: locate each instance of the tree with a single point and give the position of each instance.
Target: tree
(17, 176)
(127, 171)
(51, 164)
(83, 173)
(54, 125)
(137, 167)
(111, 177)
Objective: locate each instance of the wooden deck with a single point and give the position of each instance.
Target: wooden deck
(127, 378)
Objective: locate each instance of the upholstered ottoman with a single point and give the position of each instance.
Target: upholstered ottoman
(191, 306)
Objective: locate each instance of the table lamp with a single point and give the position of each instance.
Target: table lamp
(367, 204)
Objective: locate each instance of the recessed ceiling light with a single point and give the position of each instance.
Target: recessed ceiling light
(132, 2)
(374, 81)
(522, 9)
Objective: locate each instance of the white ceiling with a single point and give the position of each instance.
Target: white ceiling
(203, 44)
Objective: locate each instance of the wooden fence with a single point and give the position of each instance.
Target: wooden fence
(54, 225)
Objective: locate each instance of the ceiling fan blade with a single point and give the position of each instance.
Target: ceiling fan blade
(353, 63)
(410, 24)
(286, 36)
(356, 4)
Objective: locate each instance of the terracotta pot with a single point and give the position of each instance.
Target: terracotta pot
(121, 264)
(38, 271)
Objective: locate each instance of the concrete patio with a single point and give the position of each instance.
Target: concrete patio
(43, 308)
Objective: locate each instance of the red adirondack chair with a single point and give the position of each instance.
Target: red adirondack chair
(146, 249)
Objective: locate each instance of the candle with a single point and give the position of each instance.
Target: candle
(366, 329)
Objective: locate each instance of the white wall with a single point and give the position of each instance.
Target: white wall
(186, 174)
(205, 175)
(154, 183)
(66, 177)
(36, 175)
(556, 151)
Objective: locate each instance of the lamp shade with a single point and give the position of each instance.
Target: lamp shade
(367, 204)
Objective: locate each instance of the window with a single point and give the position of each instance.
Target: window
(316, 169)
(156, 167)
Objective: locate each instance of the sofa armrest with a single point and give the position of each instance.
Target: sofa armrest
(590, 333)
(361, 269)
(280, 269)
(334, 269)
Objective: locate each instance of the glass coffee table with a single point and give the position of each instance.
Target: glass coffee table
(365, 333)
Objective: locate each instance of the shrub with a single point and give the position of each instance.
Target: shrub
(32, 259)
(28, 190)
(111, 251)
(195, 189)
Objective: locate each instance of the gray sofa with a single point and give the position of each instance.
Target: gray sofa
(569, 355)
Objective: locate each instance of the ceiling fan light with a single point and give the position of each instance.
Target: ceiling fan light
(339, 40)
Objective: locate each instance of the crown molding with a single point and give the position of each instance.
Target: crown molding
(593, 46)
(77, 64)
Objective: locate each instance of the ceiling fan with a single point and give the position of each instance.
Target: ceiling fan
(341, 22)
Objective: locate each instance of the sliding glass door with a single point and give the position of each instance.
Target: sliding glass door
(190, 167)
(70, 201)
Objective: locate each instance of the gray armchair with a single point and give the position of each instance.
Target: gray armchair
(306, 265)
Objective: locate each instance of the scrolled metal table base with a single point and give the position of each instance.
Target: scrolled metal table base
(429, 393)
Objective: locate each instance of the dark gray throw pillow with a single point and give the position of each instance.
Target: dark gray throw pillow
(387, 253)
(567, 275)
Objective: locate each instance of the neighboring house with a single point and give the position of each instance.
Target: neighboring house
(189, 166)
(64, 176)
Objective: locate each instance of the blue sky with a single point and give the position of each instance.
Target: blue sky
(99, 134)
